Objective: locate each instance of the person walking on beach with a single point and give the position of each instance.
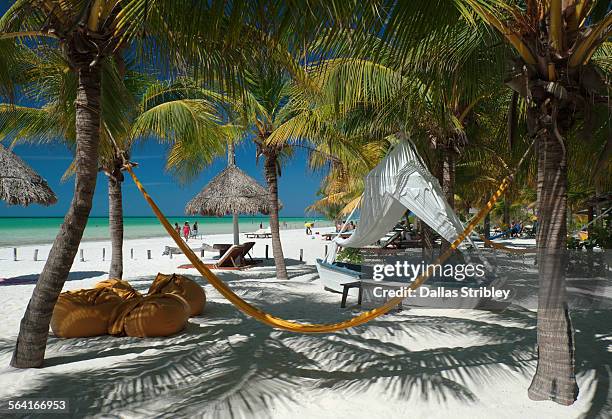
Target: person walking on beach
(186, 231)
(194, 230)
(177, 228)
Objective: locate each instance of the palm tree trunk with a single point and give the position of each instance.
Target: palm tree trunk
(277, 248)
(427, 241)
(447, 180)
(487, 225)
(554, 378)
(115, 222)
(34, 329)
(506, 215)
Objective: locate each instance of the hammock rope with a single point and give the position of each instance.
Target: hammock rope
(292, 326)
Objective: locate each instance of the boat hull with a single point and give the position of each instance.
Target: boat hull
(332, 277)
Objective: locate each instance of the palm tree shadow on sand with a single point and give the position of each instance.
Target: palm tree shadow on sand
(228, 365)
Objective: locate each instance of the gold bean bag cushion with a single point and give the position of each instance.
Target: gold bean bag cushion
(122, 288)
(183, 287)
(84, 313)
(150, 316)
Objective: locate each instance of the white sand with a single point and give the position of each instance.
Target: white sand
(417, 363)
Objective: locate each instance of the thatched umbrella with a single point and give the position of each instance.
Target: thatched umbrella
(231, 192)
(19, 184)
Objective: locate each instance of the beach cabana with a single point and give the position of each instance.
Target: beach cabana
(231, 192)
(401, 182)
(20, 184)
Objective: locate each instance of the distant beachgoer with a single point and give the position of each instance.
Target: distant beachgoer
(194, 229)
(177, 228)
(308, 227)
(352, 226)
(260, 225)
(186, 231)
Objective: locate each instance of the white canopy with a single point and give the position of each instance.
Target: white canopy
(399, 182)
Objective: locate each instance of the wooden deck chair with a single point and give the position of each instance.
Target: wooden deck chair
(232, 258)
(248, 246)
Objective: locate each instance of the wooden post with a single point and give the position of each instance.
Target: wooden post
(35, 254)
(132, 253)
(15, 254)
(325, 250)
(103, 254)
(202, 253)
(301, 255)
(82, 255)
(236, 228)
(148, 254)
(266, 251)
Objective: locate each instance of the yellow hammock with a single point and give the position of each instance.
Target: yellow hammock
(292, 326)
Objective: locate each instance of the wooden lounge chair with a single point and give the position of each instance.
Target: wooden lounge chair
(232, 259)
(331, 236)
(391, 240)
(248, 246)
(177, 251)
(262, 233)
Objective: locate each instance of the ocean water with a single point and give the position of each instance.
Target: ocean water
(15, 231)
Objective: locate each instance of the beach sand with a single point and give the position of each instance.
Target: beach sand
(414, 363)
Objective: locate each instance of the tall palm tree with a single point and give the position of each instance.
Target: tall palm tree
(87, 34)
(55, 121)
(555, 44)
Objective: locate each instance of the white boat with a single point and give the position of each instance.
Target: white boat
(333, 275)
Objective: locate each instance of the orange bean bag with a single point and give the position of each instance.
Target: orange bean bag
(122, 288)
(150, 316)
(84, 313)
(183, 287)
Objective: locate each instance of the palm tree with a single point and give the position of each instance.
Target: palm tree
(55, 120)
(87, 34)
(391, 94)
(555, 71)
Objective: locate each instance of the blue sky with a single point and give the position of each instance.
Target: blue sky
(297, 187)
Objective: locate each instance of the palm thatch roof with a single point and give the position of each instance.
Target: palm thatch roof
(231, 191)
(20, 184)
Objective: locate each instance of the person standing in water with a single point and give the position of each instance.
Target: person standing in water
(186, 231)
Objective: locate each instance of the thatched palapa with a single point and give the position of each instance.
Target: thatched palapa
(20, 184)
(230, 192)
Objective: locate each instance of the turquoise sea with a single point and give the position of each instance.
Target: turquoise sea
(16, 231)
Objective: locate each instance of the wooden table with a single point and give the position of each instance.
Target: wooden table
(358, 284)
(345, 290)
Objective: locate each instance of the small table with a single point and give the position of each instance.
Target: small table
(345, 290)
(358, 284)
(222, 248)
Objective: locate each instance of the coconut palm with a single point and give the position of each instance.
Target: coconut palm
(87, 34)
(556, 70)
(393, 94)
(55, 121)
(560, 53)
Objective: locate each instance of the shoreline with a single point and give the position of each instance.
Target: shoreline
(29, 235)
